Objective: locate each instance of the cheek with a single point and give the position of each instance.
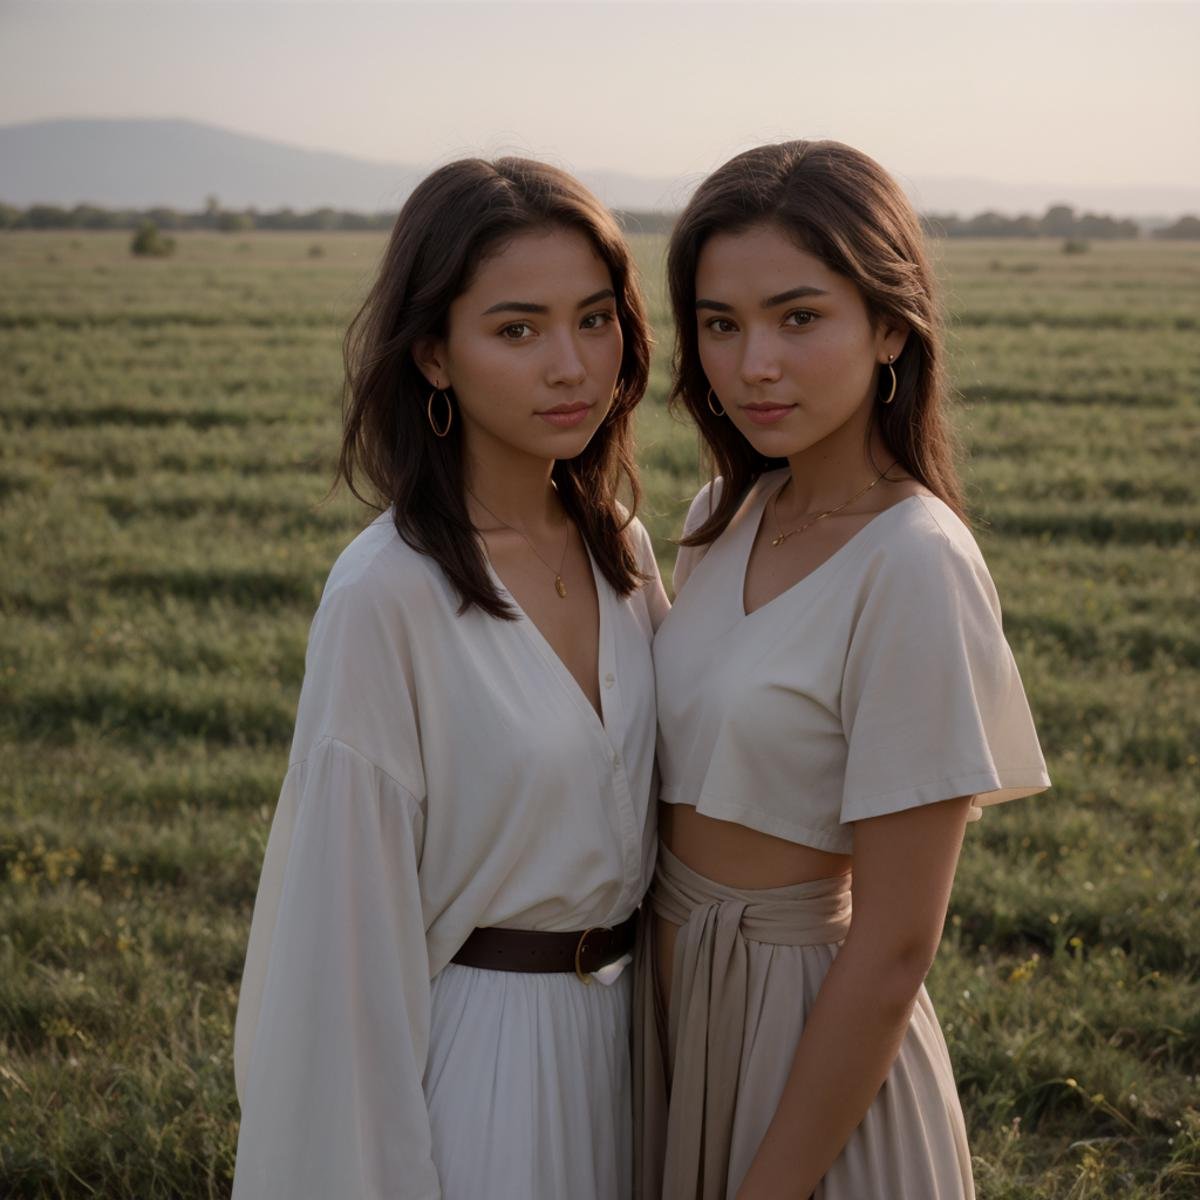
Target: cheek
(603, 354)
(836, 355)
(490, 366)
(718, 361)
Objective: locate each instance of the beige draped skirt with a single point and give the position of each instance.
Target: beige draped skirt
(709, 1073)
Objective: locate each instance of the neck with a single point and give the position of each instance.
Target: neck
(514, 486)
(830, 472)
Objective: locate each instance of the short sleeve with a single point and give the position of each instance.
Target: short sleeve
(333, 1018)
(702, 507)
(932, 703)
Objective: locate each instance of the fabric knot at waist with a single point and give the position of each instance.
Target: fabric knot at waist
(705, 1025)
(803, 914)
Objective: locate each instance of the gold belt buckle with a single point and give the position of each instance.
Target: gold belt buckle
(579, 951)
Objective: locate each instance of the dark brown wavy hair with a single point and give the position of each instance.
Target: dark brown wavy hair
(845, 209)
(452, 221)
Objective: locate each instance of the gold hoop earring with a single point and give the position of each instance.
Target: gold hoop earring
(449, 413)
(892, 394)
(715, 409)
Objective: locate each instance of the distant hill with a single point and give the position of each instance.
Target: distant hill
(140, 163)
(176, 163)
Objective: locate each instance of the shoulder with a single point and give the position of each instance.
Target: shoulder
(705, 502)
(636, 535)
(379, 569)
(361, 664)
(703, 505)
(928, 530)
(381, 597)
(927, 552)
(649, 589)
(636, 531)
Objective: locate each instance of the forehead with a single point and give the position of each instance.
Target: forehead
(542, 266)
(761, 261)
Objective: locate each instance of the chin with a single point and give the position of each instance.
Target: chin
(794, 435)
(564, 444)
(776, 443)
(569, 443)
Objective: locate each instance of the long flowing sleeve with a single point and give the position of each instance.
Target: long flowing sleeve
(333, 1018)
(332, 1047)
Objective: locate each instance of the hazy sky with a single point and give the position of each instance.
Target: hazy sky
(1089, 94)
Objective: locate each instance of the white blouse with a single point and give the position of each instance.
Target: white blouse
(880, 681)
(446, 772)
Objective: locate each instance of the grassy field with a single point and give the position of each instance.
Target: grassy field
(168, 430)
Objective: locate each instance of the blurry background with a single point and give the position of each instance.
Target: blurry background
(193, 198)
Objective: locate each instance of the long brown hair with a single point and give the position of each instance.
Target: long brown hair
(845, 209)
(451, 222)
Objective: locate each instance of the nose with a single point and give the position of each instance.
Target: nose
(566, 367)
(760, 362)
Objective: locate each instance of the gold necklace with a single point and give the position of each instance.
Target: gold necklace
(782, 537)
(559, 586)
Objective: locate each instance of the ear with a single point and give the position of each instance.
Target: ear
(429, 353)
(891, 336)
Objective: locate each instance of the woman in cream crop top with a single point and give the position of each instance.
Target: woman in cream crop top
(836, 700)
(880, 681)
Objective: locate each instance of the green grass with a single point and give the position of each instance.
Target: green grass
(169, 430)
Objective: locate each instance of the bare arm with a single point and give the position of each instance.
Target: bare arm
(903, 870)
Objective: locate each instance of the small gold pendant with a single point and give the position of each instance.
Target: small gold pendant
(778, 541)
(560, 587)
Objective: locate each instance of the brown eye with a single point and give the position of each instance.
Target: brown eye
(517, 332)
(802, 317)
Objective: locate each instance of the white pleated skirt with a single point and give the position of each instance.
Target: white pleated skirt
(528, 1086)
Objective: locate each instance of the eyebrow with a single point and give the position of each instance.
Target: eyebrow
(524, 306)
(794, 294)
(770, 302)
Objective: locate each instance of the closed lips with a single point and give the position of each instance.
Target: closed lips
(764, 414)
(565, 415)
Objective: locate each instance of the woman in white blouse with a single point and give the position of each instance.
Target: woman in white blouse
(433, 1003)
(836, 700)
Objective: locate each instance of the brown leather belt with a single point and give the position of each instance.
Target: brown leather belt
(532, 950)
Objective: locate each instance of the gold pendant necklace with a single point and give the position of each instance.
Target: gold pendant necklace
(782, 537)
(559, 586)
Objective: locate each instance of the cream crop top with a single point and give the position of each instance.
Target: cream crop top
(882, 680)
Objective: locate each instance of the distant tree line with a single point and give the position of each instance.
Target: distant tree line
(212, 217)
(1059, 221)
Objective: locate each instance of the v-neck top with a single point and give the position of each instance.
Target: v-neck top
(447, 772)
(880, 681)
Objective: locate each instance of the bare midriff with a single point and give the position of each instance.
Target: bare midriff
(735, 856)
